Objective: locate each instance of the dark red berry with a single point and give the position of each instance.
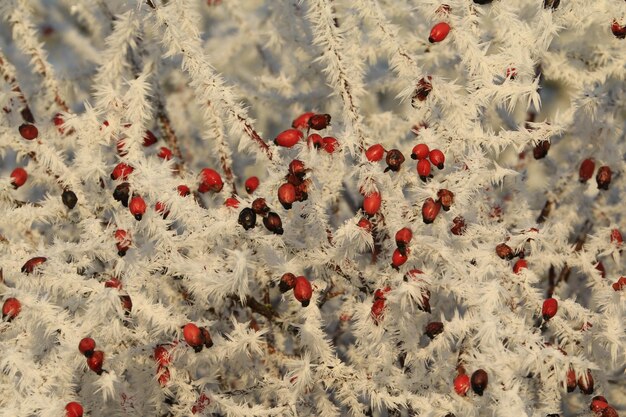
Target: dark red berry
(394, 160)
(69, 199)
(19, 177)
(206, 337)
(319, 121)
(504, 251)
(149, 139)
(273, 223)
(541, 149)
(433, 329)
(27, 115)
(162, 355)
(303, 291)
(430, 210)
(620, 284)
(598, 403)
(585, 383)
(381, 294)
(165, 153)
(618, 30)
(609, 411)
(439, 32)
(259, 206)
(127, 304)
(184, 191)
(458, 226)
(378, 308)
(479, 381)
(398, 258)
(365, 224)
(122, 193)
(586, 170)
(422, 90)
(571, 380)
(86, 346)
(161, 208)
(446, 197)
(28, 131)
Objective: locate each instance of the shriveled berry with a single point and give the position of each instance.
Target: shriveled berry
(433, 329)
(122, 193)
(11, 308)
(252, 184)
(303, 291)
(206, 337)
(541, 149)
(479, 381)
(504, 251)
(86, 346)
(458, 226)
(28, 131)
(422, 90)
(377, 311)
(288, 138)
(420, 151)
(319, 121)
(247, 218)
(127, 304)
(439, 32)
(375, 153)
(69, 199)
(296, 168)
(18, 177)
(603, 177)
(371, 203)
(549, 308)
(287, 282)
(162, 355)
(273, 223)
(446, 197)
(259, 206)
(394, 160)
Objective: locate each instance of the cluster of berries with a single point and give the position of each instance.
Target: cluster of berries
(95, 358)
(378, 306)
(603, 177)
(300, 285)
(401, 253)
(308, 121)
(162, 358)
(478, 382)
(197, 337)
(271, 220)
(296, 187)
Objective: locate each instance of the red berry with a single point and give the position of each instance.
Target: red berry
(302, 121)
(288, 138)
(618, 30)
(462, 384)
(375, 153)
(122, 171)
(149, 139)
(206, 337)
(303, 290)
(127, 304)
(163, 375)
(504, 251)
(287, 282)
(259, 206)
(121, 147)
(616, 237)
(586, 170)
(541, 149)
(446, 197)
(585, 383)
(113, 283)
(161, 355)
(11, 308)
(161, 208)
(603, 177)
(319, 121)
(297, 169)
(122, 241)
(183, 190)
(19, 177)
(315, 141)
(430, 210)
(32, 263)
(620, 284)
(423, 169)
(398, 258)
(511, 73)
(28, 131)
(519, 265)
(73, 409)
(439, 32)
(549, 309)
(571, 380)
(137, 207)
(58, 122)
(165, 153)
(231, 202)
(94, 362)
(422, 90)
(378, 308)
(365, 224)
(210, 180)
(610, 411)
(287, 195)
(371, 203)
(330, 144)
(252, 184)
(437, 158)
(420, 151)
(433, 329)
(403, 237)
(382, 293)
(598, 403)
(193, 335)
(459, 226)
(86, 346)
(600, 268)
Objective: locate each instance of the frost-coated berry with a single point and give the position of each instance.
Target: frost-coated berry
(247, 218)
(69, 199)
(287, 195)
(430, 210)
(18, 177)
(11, 308)
(121, 171)
(319, 121)
(193, 336)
